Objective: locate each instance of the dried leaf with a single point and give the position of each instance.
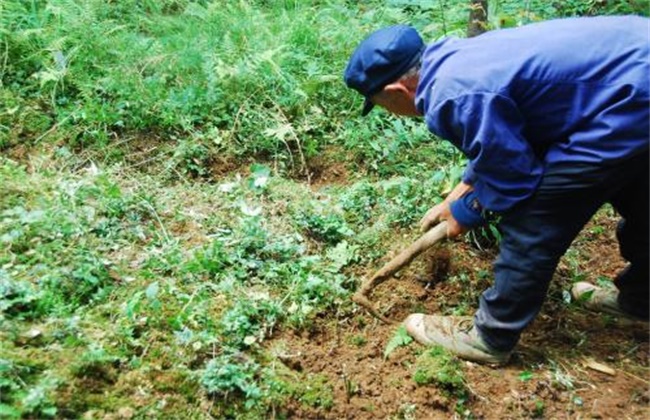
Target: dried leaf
(597, 366)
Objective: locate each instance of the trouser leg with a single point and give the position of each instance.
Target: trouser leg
(535, 234)
(534, 237)
(633, 235)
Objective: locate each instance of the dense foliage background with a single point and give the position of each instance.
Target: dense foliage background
(181, 179)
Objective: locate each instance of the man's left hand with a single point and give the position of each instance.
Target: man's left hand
(439, 213)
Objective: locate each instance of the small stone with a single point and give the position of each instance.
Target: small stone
(125, 413)
(33, 333)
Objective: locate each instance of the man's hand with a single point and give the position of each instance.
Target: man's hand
(434, 216)
(442, 212)
(439, 213)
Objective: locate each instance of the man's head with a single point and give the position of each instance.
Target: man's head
(384, 69)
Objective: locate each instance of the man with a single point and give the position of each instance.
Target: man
(553, 118)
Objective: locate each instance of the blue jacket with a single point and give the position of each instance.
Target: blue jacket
(517, 100)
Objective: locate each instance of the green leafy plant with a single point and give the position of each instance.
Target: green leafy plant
(191, 157)
(358, 340)
(259, 179)
(317, 392)
(538, 411)
(249, 320)
(560, 378)
(329, 228)
(209, 261)
(17, 298)
(97, 363)
(157, 229)
(233, 374)
(526, 376)
(358, 201)
(38, 400)
(399, 339)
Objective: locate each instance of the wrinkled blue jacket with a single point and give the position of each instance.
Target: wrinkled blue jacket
(516, 100)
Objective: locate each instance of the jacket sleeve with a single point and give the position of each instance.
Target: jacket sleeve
(487, 128)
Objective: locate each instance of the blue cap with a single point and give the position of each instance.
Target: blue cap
(382, 58)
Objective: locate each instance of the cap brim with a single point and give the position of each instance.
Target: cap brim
(367, 107)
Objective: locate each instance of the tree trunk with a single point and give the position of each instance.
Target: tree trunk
(478, 15)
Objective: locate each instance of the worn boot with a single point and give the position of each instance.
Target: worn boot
(601, 299)
(457, 334)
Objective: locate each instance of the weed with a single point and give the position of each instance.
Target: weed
(342, 255)
(21, 399)
(400, 338)
(526, 376)
(486, 237)
(561, 379)
(538, 411)
(604, 282)
(358, 340)
(309, 389)
(39, 399)
(210, 261)
(351, 387)
(17, 298)
(249, 321)
(407, 411)
(118, 119)
(232, 373)
(191, 157)
(358, 201)
(328, 228)
(96, 363)
(13, 378)
(439, 367)
(85, 279)
(318, 392)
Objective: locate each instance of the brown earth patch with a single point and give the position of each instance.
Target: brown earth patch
(328, 168)
(549, 375)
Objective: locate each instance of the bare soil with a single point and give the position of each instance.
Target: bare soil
(553, 373)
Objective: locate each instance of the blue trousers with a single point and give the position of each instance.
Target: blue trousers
(537, 232)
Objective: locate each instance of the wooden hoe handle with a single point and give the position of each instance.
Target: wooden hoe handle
(426, 241)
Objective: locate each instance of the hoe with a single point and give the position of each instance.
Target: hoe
(426, 241)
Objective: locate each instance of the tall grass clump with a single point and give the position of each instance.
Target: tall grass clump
(249, 79)
(244, 79)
